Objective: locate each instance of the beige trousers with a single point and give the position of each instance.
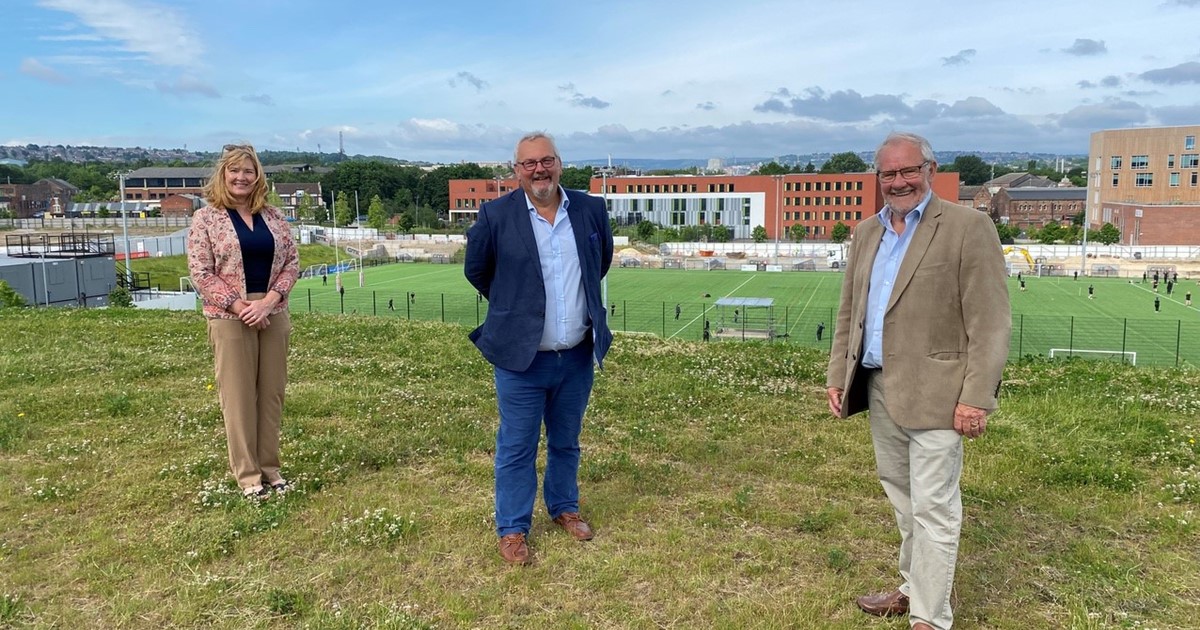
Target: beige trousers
(920, 472)
(251, 368)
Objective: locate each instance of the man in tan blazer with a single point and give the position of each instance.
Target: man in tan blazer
(921, 340)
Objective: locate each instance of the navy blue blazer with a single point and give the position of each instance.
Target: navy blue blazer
(503, 265)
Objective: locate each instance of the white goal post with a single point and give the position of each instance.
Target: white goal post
(1070, 352)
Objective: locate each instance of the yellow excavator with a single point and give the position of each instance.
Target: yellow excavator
(1024, 252)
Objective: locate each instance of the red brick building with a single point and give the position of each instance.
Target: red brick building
(43, 196)
(180, 205)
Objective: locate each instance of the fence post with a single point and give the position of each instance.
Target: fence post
(443, 296)
(1071, 338)
(374, 306)
(1124, 336)
(625, 315)
(664, 320)
(309, 300)
(1178, 334)
(1021, 337)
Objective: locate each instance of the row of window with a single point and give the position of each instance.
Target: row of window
(169, 182)
(836, 215)
(811, 186)
(1138, 162)
(1146, 180)
(823, 201)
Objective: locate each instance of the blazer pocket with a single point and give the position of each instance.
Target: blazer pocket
(932, 269)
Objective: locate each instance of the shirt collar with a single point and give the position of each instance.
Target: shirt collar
(885, 215)
(562, 205)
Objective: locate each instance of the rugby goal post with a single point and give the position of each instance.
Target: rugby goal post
(1071, 352)
(313, 271)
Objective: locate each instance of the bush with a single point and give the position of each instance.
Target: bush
(120, 297)
(9, 296)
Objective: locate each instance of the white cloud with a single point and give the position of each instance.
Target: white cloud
(137, 26)
(185, 85)
(41, 71)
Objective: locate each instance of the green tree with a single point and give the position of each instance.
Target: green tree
(576, 178)
(772, 168)
(646, 230)
(809, 168)
(304, 209)
(839, 233)
(1072, 235)
(971, 169)
(103, 212)
(320, 214)
(405, 222)
(1108, 234)
(721, 234)
(1050, 233)
(798, 232)
(273, 198)
(342, 215)
(759, 234)
(1007, 232)
(9, 298)
(847, 162)
(375, 214)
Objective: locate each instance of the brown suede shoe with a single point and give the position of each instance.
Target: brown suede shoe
(577, 527)
(884, 604)
(513, 548)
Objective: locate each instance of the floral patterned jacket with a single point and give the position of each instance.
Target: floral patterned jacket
(215, 260)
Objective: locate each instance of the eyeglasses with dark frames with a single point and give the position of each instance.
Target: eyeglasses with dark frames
(235, 147)
(908, 173)
(547, 162)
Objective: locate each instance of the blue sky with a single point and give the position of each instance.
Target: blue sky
(462, 80)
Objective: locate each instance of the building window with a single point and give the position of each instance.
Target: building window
(628, 188)
(1194, 177)
(1115, 164)
(677, 218)
(1116, 179)
(1189, 160)
(1139, 161)
(1174, 180)
(825, 215)
(1170, 160)
(858, 216)
(808, 186)
(1189, 143)
(1144, 180)
(731, 188)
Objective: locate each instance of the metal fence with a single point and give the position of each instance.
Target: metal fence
(1144, 342)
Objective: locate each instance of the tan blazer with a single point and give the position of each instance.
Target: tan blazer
(215, 260)
(947, 325)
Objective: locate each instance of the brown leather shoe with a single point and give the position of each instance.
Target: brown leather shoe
(884, 604)
(921, 625)
(513, 548)
(577, 527)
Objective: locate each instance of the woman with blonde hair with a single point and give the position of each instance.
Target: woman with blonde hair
(243, 262)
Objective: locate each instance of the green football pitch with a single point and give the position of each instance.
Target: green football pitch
(1052, 314)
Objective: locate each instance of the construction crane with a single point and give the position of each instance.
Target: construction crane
(1024, 252)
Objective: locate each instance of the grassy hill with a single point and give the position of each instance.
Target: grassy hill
(722, 492)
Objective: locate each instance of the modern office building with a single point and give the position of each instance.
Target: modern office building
(1146, 182)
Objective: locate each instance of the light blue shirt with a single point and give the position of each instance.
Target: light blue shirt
(566, 320)
(892, 248)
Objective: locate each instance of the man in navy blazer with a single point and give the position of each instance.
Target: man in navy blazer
(538, 254)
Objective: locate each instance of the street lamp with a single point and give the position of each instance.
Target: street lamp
(125, 232)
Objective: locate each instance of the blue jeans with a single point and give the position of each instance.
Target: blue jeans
(554, 389)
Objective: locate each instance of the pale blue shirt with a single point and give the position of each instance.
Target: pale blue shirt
(892, 248)
(566, 320)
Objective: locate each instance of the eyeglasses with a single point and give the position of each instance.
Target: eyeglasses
(909, 172)
(236, 147)
(546, 162)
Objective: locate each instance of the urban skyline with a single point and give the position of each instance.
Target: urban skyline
(458, 81)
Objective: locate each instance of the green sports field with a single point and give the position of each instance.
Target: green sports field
(1052, 313)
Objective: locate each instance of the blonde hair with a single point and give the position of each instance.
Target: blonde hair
(216, 193)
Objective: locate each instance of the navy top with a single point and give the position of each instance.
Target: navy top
(258, 251)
